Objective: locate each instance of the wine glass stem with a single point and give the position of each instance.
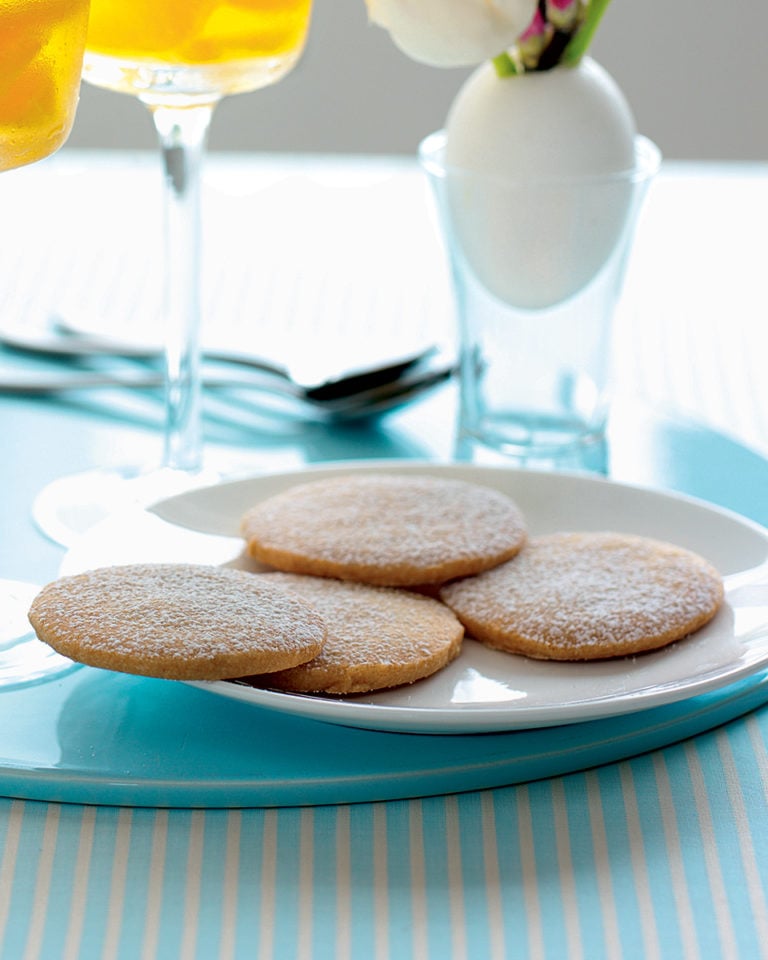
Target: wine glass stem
(183, 133)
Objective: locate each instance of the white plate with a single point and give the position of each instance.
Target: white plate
(485, 690)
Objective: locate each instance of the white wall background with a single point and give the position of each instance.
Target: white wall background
(695, 71)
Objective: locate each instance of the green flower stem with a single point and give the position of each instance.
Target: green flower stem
(505, 66)
(583, 36)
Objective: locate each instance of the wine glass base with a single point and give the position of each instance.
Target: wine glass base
(69, 506)
(24, 660)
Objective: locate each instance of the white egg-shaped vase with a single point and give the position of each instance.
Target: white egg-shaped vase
(561, 122)
(539, 178)
(534, 161)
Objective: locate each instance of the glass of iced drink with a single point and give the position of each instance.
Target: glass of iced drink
(179, 57)
(41, 53)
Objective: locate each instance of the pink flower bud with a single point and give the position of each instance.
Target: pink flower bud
(564, 14)
(535, 28)
(533, 41)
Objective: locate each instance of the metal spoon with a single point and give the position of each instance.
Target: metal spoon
(361, 393)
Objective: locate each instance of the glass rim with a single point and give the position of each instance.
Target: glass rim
(647, 163)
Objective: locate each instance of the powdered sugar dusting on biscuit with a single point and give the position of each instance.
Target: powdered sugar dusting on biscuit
(588, 595)
(377, 637)
(180, 621)
(385, 529)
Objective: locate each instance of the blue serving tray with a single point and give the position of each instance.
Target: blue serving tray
(92, 736)
(98, 737)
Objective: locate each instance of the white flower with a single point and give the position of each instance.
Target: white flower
(452, 33)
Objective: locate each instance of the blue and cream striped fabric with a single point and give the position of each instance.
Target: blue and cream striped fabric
(664, 856)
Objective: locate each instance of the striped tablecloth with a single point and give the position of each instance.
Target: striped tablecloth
(661, 856)
(664, 855)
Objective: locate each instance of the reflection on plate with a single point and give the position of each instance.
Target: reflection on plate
(485, 690)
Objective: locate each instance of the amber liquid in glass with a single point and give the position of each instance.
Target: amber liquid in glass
(41, 52)
(192, 48)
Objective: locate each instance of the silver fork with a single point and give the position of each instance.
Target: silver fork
(364, 392)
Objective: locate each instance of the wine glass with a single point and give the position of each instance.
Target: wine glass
(179, 57)
(41, 54)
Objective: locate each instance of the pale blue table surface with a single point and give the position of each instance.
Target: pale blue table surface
(664, 854)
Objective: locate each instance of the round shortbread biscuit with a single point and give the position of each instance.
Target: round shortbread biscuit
(588, 596)
(385, 529)
(177, 621)
(377, 637)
